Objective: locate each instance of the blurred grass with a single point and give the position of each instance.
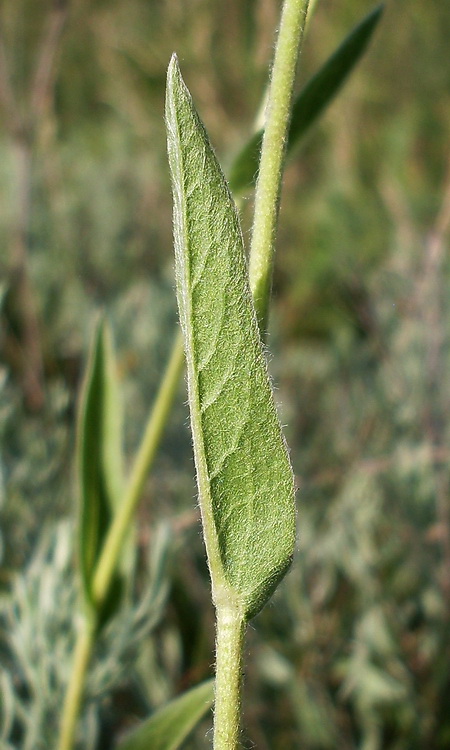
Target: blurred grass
(354, 650)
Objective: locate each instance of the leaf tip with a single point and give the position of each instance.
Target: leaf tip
(175, 87)
(173, 71)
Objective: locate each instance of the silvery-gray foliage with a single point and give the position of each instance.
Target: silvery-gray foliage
(38, 634)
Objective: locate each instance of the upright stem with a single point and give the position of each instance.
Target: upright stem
(74, 695)
(268, 187)
(230, 629)
(152, 437)
(24, 129)
(114, 540)
(29, 338)
(230, 632)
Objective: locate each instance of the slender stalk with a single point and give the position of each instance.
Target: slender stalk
(230, 629)
(113, 544)
(29, 337)
(24, 128)
(152, 436)
(230, 633)
(272, 154)
(71, 709)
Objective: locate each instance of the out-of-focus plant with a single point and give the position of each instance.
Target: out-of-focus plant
(23, 114)
(108, 500)
(367, 605)
(38, 639)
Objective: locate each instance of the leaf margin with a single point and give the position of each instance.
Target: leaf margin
(99, 454)
(195, 701)
(226, 582)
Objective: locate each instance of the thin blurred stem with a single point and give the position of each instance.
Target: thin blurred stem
(43, 81)
(11, 113)
(268, 187)
(431, 305)
(27, 344)
(74, 696)
(114, 541)
(21, 289)
(23, 129)
(152, 437)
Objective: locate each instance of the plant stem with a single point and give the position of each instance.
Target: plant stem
(152, 436)
(268, 187)
(24, 127)
(113, 543)
(29, 336)
(230, 628)
(72, 704)
(230, 633)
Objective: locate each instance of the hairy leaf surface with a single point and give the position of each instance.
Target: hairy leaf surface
(243, 470)
(311, 101)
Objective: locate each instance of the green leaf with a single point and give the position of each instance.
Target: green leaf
(243, 471)
(311, 101)
(99, 452)
(167, 728)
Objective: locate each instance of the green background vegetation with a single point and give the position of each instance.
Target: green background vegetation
(353, 652)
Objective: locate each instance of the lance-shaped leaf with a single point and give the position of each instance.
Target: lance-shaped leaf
(243, 471)
(99, 452)
(312, 100)
(167, 728)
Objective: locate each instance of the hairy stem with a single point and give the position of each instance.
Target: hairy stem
(268, 187)
(230, 632)
(230, 622)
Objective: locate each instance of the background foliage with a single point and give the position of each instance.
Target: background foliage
(354, 650)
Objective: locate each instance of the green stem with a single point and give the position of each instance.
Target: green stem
(230, 633)
(113, 543)
(72, 704)
(272, 154)
(230, 627)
